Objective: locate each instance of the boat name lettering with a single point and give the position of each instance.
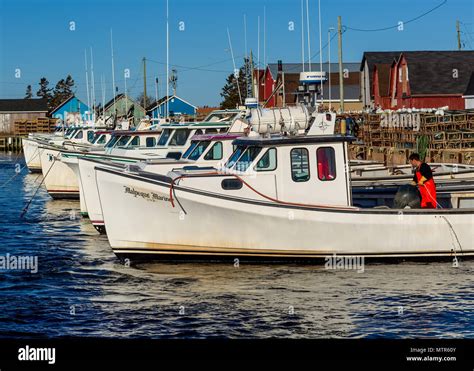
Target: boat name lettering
(150, 196)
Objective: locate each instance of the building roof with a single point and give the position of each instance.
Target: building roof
(433, 72)
(120, 96)
(374, 58)
(470, 86)
(64, 102)
(297, 67)
(164, 99)
(430, 72)
(23, 105)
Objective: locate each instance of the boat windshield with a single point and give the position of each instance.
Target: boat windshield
(235, 156)
(247, 158)
(164, 137)
(112, 141)
(190, 149)
(69, 132)
(123, 140)
(96, 138)
(180, 137)
(199, 150)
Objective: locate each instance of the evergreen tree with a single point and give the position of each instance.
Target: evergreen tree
(149, 100)
(29, 92)
(62, 91)
(44, 92)
(230, 92)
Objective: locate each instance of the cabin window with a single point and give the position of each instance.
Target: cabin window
(112, 141)
(90, 136)
(199, 150)
(198, 132)
(268, 162)
(79, 135)
(326, 160)
(299, 164)
(135, 141)
(100, 139)
(123, 140)
(150, 142)
(215, 153)
(211, 131)
(247, 158)
(164, 137)
(235, 156)
(180, 137)
(231, 184)
(190, 149)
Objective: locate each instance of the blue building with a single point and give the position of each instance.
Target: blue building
(177, 107)
(70, 107)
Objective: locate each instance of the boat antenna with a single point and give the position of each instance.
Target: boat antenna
(309, 37)
(320, 50)
(302, 34)
(236, 71)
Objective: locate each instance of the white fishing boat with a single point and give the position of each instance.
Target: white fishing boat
(206, 150)
(58, 177)
(276, 198)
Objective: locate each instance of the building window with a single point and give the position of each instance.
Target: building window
(299, 165)
(326, 160)
(268, 162)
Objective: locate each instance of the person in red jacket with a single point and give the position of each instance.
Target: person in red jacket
(423, 178)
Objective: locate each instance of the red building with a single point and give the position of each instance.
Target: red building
(427, 79)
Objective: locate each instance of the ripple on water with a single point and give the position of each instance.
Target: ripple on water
(81, 289)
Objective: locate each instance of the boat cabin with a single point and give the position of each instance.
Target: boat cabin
(299, 169)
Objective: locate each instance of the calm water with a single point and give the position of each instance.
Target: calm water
(81, 289)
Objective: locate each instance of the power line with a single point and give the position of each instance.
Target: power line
(396, 26)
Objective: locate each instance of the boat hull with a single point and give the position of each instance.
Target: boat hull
(60, 181)
(209, 225)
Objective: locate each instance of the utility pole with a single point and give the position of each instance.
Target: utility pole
(458, 31)
(144, 82)
(341, 78)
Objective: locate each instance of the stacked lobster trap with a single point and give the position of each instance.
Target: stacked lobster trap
(441, 136)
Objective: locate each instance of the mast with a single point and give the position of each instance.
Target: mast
(144, 82)
(258, 59)
(113, 71)
(87, 83)
(93, 88)
(320, 50)
(341, 80)
(167, 61)
(236, 72)
(264, 51)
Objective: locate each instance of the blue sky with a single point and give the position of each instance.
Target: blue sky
(35, 37)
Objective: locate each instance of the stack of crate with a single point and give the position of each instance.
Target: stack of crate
(39, 125)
